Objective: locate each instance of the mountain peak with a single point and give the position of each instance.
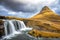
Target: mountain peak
(45, 9)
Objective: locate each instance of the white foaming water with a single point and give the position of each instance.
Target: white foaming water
(23, 26)
(13, 27)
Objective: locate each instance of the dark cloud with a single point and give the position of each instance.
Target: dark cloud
(17, 7)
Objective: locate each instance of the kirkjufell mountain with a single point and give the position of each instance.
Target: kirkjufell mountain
(46, 13)
(46, 21)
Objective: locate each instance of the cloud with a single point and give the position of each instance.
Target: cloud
(26, 5)
(56, 7)
(11, 13)
(36, 1)
(18, 6)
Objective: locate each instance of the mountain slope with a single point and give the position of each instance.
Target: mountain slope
(47, 21)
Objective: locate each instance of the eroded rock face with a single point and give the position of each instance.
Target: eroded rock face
(1, 28)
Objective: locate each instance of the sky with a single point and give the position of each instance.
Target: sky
(27, 8)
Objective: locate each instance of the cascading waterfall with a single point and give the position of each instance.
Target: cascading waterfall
(13, 27)
(23, 26)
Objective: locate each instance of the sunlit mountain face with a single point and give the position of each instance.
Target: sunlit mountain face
(26, 7)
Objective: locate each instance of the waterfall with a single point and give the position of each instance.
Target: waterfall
(23, 26)
(13, 27)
